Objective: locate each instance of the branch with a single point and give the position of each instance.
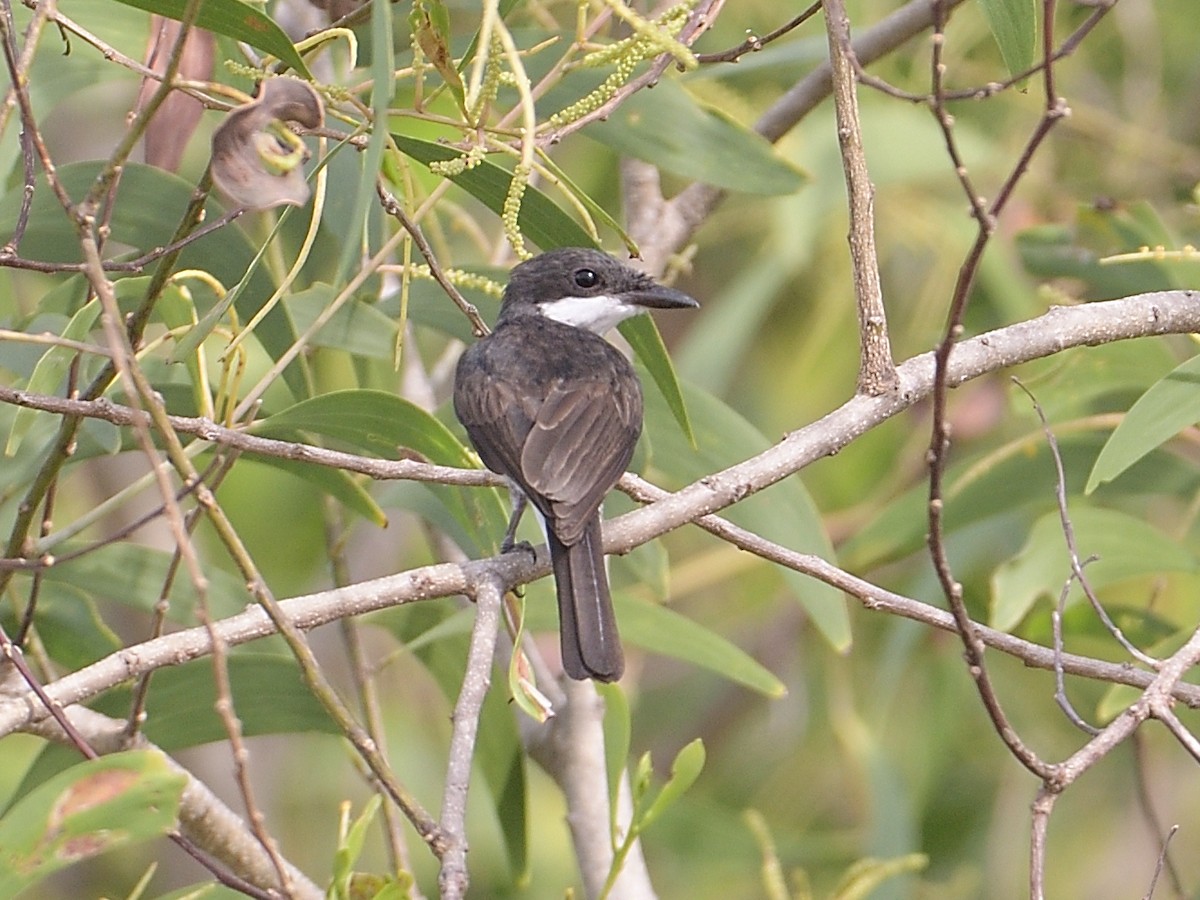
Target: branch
(204, 820)
(208, 430)
(876, 371)
(1143, 315)
(570, 747)
(489, 599)
(679, 218)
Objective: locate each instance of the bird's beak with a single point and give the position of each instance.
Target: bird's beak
(657, 296)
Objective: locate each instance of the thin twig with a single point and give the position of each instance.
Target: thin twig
(877, 370)
(939, 445)
(754, 43)
(1068, 530)
(393, 208)
(1158, 868)
(489, 600)
(383, 469)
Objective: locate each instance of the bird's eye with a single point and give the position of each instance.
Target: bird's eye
(586, 278)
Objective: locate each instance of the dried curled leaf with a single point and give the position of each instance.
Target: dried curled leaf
(257, 162)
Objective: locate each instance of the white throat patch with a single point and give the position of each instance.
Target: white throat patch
(599, 314)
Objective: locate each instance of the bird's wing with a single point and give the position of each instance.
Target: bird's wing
(497, 418)
(565, 440)
(581, 442)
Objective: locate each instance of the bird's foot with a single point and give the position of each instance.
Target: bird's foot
(508, 546)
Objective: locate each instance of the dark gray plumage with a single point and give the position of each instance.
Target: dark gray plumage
(550, 404)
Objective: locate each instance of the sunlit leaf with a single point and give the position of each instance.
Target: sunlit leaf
(94, 807)
(1014, 26)
(618, 729)
(234, 19)
(647, 343)
(667, 126)
(541, 220)
(1124, 546)
(1170, 406)
(685, 769)
(375, 422)
(785, 513)
(662, 631)
(51, 369)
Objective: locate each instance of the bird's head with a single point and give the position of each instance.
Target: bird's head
(585, 288)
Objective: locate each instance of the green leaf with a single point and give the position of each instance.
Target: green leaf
(541, 219)
(94, 807)
(1126, 547)
(386, 426)
(661, 630)
(685, 769)
(1014, 26)
(784, 514)
(499, 753)
(864, 876)
(383, 83)
(236, 20)
(430, 23)
(1168, 407)
(269, 697)
(351, 846)
(376, 422)
(618, 731)
(670, 128)
(345, 487)
(145, 214)
(51, 369)
(643, 336)
(133, 575)
(358, 328)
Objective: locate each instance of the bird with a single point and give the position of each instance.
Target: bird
(551, 405)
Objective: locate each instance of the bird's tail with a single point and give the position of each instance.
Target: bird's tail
(591, 647)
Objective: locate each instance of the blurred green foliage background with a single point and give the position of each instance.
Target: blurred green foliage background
(879, 749)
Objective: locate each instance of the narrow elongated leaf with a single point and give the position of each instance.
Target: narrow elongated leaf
(785, 513)
(662, 631)
(1014, 26)
(1167, 408)
(51, 369)
(647, 343)
(374, 421)
(499, 754)
(146, 212)
(94, 807)
(384, 425)
(236, 20)
(541, 219)
(685, 769)
(362, 329)
(134, 575)
(670, 128)
(1125, 547)
(342, 486)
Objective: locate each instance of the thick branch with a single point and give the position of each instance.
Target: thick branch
(1164, 312)
(203, 818)
(876, 370)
